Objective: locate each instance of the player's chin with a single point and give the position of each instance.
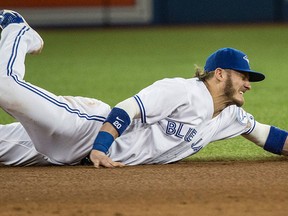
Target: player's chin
(239, 101)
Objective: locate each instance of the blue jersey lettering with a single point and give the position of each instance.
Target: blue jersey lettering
(178, 133)
(190, 134)
(171, 128)
(177, 130)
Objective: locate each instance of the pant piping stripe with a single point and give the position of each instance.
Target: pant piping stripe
(37, 91)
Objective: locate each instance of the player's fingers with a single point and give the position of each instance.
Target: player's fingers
(118, 164)
(107, 163)
(97, 158)
(112, 164)
(100, 159)
(101, 162)
(96, 163)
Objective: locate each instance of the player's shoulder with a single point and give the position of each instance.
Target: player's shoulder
(194, 89)
(191, 88)
(172, 80)
(237, 113)
(233, 110)
(181, 81)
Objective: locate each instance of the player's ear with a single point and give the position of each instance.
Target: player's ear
(219, 74)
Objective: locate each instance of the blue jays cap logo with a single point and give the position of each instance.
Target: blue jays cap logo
(246, 58)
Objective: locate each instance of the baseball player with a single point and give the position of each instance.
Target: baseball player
(163, 123)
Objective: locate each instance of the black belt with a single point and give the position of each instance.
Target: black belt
(86, 161)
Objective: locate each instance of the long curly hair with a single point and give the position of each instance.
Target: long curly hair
(202, 74)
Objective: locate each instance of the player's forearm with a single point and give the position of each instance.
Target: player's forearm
(272, 139)
(259, 134)
(108, 127)
(116, 123)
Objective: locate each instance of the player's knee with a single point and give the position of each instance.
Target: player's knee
(9, 94)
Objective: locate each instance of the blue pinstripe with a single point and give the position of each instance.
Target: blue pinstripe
(142, 109)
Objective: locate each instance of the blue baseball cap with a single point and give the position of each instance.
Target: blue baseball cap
(230, 58)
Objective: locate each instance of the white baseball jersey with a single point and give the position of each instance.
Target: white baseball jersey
(176, 117)
(176, 122)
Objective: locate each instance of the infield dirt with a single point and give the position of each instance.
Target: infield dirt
(185, 188)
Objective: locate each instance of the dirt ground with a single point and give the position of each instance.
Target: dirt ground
(185, 188)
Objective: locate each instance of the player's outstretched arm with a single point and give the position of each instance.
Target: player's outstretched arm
(270, 138)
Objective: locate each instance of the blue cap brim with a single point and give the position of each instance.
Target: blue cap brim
(253, 75)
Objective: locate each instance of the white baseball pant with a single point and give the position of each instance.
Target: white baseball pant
(52, 129)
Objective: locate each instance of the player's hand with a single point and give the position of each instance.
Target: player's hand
(100, 159)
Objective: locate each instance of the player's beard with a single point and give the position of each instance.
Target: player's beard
(231, 92)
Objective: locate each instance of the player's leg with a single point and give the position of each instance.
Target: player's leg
(57, 128)
(11, 36)
(16, 147)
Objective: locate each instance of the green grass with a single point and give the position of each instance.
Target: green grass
(113, 64)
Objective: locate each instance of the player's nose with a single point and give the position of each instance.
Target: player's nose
(247, 85)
